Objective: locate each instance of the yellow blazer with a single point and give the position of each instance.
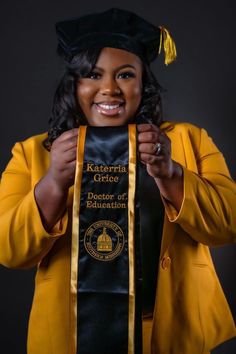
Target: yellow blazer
(191, 313)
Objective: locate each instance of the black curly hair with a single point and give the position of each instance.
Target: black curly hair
(66, 112)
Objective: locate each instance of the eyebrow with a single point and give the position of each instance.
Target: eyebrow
(118, 68)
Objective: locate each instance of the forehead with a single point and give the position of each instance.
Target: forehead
(114, 57)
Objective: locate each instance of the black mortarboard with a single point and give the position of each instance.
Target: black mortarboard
(114, 28)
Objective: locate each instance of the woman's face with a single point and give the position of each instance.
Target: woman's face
(111, 94)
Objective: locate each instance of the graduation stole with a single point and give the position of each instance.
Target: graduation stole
(106, 316)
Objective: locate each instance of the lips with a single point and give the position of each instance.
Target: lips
(110, 108)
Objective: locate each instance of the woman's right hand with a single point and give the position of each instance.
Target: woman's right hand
(63, 160)
(52, 190)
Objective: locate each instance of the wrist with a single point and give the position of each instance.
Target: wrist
(175, 171)
(47, 186)
(54, 186)
(171, 187)
(51, 200)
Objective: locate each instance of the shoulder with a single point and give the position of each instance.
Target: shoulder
(191, 138)
(32, 143)
(188, 132)
(181, 127)
(30, 150)
(34, 140)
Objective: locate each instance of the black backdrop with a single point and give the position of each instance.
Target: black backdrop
(200, 89)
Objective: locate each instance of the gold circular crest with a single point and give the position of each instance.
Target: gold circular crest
(104, 240)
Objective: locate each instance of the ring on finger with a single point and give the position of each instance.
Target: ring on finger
(158, 148)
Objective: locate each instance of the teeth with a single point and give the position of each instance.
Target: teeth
(106, 106)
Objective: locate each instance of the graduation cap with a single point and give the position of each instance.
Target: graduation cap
(114, 28)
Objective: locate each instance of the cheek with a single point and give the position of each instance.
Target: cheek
(136, 94)
(84, 94)
(137, 91)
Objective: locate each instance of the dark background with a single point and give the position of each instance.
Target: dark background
(200, 89)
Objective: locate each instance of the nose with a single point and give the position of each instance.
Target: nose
(109, 86)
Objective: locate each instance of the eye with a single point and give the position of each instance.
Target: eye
(93, 75)
(126, 75)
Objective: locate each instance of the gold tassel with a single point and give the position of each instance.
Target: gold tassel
(168, 44)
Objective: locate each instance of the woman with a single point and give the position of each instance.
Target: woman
(108, 82)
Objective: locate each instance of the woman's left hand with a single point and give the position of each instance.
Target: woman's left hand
(154, 149)
(158, 161)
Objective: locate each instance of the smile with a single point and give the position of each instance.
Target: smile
(110, 109)
(105, 106)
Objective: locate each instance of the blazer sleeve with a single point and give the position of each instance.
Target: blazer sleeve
(23, 239)
(208, 210)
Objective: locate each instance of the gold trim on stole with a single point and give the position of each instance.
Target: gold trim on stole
(131, 230)
(75, 237)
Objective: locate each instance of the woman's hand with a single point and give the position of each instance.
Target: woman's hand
(159, 164)
(154, 149)
(63, 160)
(52, 190)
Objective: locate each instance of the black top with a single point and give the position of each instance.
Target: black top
(151, 225)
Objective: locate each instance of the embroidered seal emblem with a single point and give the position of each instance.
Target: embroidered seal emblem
(104, 240)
